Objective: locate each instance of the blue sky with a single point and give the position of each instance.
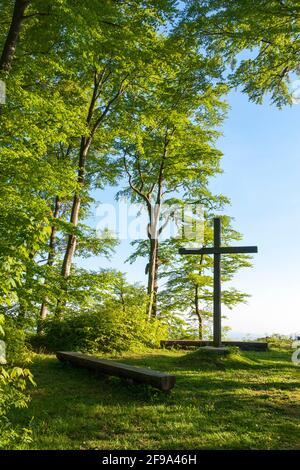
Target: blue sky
(261, 146)
(261, 164)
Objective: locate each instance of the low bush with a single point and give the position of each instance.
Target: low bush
(17, 350)
(13, 386)
(277, 341)
(13, 394)
(106, 330)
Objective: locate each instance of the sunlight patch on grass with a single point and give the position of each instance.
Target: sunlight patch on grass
(241, 401)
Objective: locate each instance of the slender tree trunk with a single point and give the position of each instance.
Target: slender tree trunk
(51, 256)
(23, 309)
(121, 294)
(6, 60)
(198, 313)
(155, 283)
(72, 238)
(10, 44)
(23, 303)
(152, 279)
(86, 141)
(43, 313)
(153, 262)
(154, 232)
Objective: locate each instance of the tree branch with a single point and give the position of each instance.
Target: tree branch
(119, 93)
(134, 188)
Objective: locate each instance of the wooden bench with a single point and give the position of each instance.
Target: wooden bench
(243, 345)
(157, 379)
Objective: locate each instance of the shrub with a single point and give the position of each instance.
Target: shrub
(108, 329)
(16, 346)
(277, 341)
(13, 385)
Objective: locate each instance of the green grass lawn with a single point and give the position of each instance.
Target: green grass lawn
(244, 401)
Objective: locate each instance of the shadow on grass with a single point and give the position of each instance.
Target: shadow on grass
(210, 375)
(204, 360)
(209, 408)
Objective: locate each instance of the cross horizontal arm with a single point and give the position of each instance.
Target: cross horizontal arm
(221, 250)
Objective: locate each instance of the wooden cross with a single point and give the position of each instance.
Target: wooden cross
(217, 250)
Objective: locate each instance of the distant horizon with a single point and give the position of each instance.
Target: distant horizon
(239, 335)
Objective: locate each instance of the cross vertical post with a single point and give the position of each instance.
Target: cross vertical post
(217, 250)
(217, 284)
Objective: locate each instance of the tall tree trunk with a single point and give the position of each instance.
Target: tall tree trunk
(10, 44)
(153, 234)
(72, 238)
(122, 299)
(152, 279)
(23, 302)
(86, 141)
(198, 312)
(155, 284)
(153, 228)
(154, 231)
(51, 256)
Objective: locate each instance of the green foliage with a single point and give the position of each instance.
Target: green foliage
(178, 326)
(53, 106)
(97, 90)
(13, 384)
(104, 313)
(13, 391)
(167, 143)
(268, 30)
(278, 341)
(17, 351)
(106, 330)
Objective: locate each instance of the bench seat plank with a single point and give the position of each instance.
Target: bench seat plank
(155, 378)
